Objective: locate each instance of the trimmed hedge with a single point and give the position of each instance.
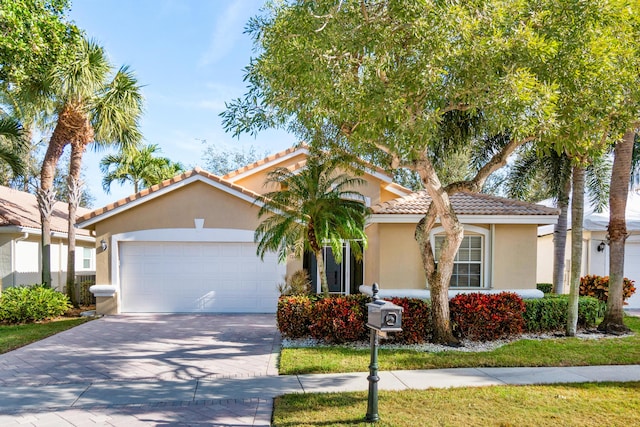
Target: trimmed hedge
(550, 313)
(22, 304)
(487, 317)
(545, 287)
(475, 316)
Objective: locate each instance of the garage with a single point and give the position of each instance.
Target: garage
(197, 277)
(632, 270)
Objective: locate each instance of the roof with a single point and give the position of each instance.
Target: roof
(471, 204)
(165, 186)
(20, 209)
(260, 164)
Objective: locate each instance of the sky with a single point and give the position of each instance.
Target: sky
(189, 55)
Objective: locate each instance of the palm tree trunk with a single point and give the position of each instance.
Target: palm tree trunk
(577, 214)
(560, 238)
(324, 285)
(75, 163)
(620, 175)
(46, 194)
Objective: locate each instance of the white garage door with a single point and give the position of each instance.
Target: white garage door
(176, 277)
(632, 270)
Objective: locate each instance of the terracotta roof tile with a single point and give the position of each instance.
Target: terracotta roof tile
(464, 204)
(164, 184)
(20, 209)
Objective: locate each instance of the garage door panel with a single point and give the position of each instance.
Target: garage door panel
(197, 277)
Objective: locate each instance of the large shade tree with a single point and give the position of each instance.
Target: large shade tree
(383, 75)
(312, 208)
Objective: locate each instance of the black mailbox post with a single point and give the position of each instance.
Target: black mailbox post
(382, 317)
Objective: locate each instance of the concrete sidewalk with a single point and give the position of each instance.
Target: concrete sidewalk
(181, 402)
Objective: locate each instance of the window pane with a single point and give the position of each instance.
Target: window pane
(475, 255)
(475, 242)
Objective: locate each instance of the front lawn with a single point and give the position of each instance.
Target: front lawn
(548, 352)
(567, 405)
(14, 336)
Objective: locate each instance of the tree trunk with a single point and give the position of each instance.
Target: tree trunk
(46, 194)
(577, 214)
(560, 238)
(439, 275)
(75, 164)
(324, 285)
(619, 190)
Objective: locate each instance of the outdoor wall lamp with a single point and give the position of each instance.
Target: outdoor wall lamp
(103, 245)
(600, 247)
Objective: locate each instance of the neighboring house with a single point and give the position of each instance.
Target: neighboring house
(20, 242)
(186, 245)
(595, 248)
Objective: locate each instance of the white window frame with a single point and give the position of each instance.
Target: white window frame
(486, 262)
(87, 255)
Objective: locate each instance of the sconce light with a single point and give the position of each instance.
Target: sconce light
(103, 245)
(600, 247)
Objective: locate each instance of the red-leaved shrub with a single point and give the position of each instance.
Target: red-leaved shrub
(293, 316)
(338, 320)
(416, 321)
(486, 317)
(592, 285)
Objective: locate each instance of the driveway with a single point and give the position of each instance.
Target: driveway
(143, 370)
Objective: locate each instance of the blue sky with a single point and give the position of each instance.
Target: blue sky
(190, 56)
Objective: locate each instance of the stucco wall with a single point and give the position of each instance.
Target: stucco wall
(514, 256)
(176, 209)
(400, 265)
(255, 181)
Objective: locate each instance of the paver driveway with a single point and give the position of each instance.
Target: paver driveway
(165, 355)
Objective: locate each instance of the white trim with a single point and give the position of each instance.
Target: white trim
(169, 188)
(426, 294)
(249, 172)
(487, 244)
(476, 219)
(396, 191)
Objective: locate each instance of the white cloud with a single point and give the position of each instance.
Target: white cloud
(226, 30)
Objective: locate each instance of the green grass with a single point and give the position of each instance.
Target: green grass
(15, 336)
(567, 405)
(548, 352)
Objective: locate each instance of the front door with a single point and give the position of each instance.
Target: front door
(335, 272)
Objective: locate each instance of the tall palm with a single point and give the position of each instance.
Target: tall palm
(139, 167)
(88, 106)
(534, 177)
(312, 208)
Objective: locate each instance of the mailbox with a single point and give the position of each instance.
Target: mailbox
(384, 316)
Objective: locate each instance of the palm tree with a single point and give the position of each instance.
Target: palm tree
(314, 207)
(620, 178)
(139, 167)
(534, 177)
(12, 144)
(86, 106)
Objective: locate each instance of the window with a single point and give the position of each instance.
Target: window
(86, 258)
(468, 264)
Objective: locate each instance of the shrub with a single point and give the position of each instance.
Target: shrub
(598, 287)
(550, 313)
(294, 316)
(416, 321)
(298, 283)
(23, 304)
(545, 287)
(338, 320)
(486, 317)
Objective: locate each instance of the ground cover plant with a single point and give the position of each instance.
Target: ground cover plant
(22, 304)
(555, 351)
(586, 404)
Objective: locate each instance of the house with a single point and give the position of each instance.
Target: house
(186, 244)
(20, 242)
(595, 250)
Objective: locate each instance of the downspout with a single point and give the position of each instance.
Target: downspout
(24, 236)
